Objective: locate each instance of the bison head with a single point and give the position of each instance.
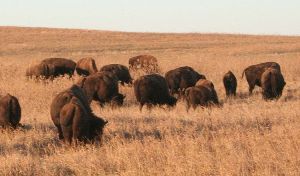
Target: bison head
(96, 127)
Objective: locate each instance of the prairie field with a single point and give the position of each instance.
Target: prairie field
(247, 136)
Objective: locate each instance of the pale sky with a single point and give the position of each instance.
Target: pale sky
(208, 16)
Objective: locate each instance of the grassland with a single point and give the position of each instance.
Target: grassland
(247, 136)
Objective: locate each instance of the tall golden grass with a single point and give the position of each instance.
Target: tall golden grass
(247, 136)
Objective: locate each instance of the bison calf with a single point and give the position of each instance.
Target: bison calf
(200, 96)
(272, 83)
(10, 111)
(153, 90)
(230, 83)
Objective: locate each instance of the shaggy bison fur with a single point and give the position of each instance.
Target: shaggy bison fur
(272, 83)
(181, 78)
(120, 71)
(69, 106)
(230, 83)
(253, 73)
(10, 111)
(102, 87)
(153, 90)
(86, 66)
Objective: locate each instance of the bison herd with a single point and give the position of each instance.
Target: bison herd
(71, 112)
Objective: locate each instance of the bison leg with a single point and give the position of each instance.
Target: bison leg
(251, 87)
(141, 106)
(60, 133)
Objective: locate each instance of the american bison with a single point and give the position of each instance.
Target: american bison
(147, 63)
(181, 78)
(272, 83)
(52, 67)
(230, 83)
(10, 111)
(253, 73)
(120, 71)
(71, 105)
(102, 87)
(86, 66)
(152, 90)
(200, 96)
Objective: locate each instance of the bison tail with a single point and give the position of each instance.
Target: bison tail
(243, 74)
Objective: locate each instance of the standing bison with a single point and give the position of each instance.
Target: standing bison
(272, 83)
(102, 87)
(10, 111)
(120, 71)
(152, 90)
(181, 78)
(86, 66)
(52, 67)
(253, 73)
(147, 63)
(230, 83)
(200, 96)
(73, 117)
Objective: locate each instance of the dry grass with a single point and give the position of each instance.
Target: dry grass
(248, 136)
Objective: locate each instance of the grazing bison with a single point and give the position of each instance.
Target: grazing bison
(272, 83)
(181, 78)
(200, 96)
(152, 90)
(253, 73)
(10, 111)
(102, 87)
(120, 71)
(86, 66)
(147, 63)
(52, 67)
(71, 105)
(230, 83)
(77, 124)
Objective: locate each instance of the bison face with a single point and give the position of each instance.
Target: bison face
(118, 100)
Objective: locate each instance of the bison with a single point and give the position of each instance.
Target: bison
(181, 78)
(230, 83)
(102, 87)
(52, 67)
(86, 66)
(200, 96)
(152, 90)
(77, 124)
(272, 83)
(10, 111)
(120, 71)
(253, 73)
(69, 106)
(147, 63)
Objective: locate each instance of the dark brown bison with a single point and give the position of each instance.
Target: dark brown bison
(147, 63)
(71, 105)
(120, 71)
(10, 111)
(52, 67)
(200, 96)
(230, 83)
(272, 83)
(152, 90)
(102, 87)
(253, 73)
(86, 66)
(181, 78)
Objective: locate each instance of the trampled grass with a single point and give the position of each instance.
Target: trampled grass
(247, 136)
